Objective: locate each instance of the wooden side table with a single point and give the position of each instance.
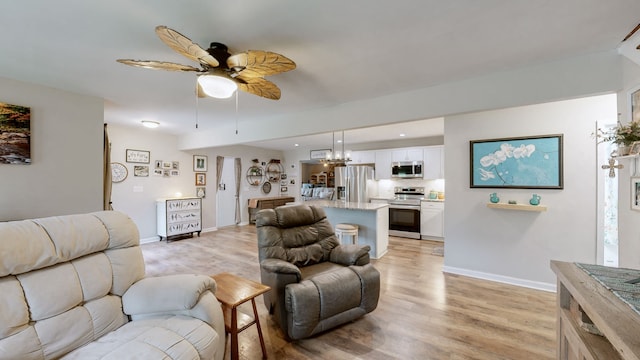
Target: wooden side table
(233, 291)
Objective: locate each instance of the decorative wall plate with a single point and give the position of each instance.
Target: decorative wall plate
(266, 187)
(119, 172)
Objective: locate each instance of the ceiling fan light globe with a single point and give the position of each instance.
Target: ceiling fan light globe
(217, 86)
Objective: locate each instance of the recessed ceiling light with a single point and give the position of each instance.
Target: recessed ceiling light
(403, 134)
(150, 124)
(296, 145)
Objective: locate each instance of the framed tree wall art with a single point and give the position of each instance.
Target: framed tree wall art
(15, 134)
(533, 162)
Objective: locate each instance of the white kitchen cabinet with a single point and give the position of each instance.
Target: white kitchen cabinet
(383, 164)
(432, 220)
(362, 157)
(433, 162)
(179, 216)
(407, 154)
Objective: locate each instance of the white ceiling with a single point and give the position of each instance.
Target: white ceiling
(345, 50)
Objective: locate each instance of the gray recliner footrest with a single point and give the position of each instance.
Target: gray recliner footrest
(329, 299)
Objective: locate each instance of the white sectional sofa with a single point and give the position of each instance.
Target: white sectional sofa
(73, 287)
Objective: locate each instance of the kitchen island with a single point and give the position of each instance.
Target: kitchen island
(372, 220)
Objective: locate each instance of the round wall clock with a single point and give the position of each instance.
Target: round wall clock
(119, 172)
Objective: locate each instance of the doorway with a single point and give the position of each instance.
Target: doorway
(225, 196)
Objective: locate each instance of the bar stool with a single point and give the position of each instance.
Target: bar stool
(343, 230)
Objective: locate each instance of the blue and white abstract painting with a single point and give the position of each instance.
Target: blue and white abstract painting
(532, 162)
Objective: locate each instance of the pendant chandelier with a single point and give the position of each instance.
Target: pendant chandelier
(337, 157)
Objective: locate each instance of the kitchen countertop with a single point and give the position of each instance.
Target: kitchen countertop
(423, 199)
(349, 205)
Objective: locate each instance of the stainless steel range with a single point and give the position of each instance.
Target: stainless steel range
(404, 212)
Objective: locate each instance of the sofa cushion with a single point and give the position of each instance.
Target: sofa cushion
(94, 273)
(174, 337)
(51, 291)
(14, 312)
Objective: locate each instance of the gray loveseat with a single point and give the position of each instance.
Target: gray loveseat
(73, 287)
(316, 283)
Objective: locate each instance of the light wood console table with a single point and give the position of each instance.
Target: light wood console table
(586, 307)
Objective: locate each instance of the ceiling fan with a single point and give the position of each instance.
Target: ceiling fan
(221, 73)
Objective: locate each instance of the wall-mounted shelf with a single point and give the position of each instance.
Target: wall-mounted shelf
(521, 207)
(626, 156)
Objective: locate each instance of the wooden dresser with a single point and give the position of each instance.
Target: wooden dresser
(257, 204)
(586, 307)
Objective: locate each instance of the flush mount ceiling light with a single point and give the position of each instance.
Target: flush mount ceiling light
(217, 86)
(150, 124)
(246, 70)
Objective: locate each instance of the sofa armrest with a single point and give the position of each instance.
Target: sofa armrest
(163, 294)
(350, 254)
(280, 267)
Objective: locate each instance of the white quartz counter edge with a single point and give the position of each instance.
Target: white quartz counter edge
(349, 205)
(425, 200)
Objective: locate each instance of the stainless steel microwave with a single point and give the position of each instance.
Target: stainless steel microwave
(407, 169)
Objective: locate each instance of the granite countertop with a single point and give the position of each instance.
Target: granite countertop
(349, 205)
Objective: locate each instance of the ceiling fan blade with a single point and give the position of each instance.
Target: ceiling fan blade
(258, 63)
(183, 45)
(158, 65)
(258, 86)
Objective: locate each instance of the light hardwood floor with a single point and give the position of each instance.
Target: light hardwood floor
(422, 313)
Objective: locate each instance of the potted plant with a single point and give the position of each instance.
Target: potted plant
(622, 135)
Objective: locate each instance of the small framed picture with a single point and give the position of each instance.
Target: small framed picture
(283, 189)
(175, 165)
(158, 164)
(141, 170)
(157, 172)
(175, 172)
(635, 193)
(167, 164)
(138, 156)
(283, 176)
(201, 192)
(199, 163)
(201, 179)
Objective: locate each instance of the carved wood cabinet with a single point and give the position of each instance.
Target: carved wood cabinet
(179, 216)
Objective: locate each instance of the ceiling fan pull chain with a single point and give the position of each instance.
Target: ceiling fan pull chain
(236, 112)
(197, 104)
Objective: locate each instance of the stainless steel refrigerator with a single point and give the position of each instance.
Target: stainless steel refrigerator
(354, 183)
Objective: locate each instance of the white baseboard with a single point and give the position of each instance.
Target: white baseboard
(501, 278)
(149, 240)
(211, 229)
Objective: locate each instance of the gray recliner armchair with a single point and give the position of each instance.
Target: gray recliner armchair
(316, 283)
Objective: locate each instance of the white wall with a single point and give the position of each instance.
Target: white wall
(628, 220)
(136, 196)
(516, 246)
(65, 176)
